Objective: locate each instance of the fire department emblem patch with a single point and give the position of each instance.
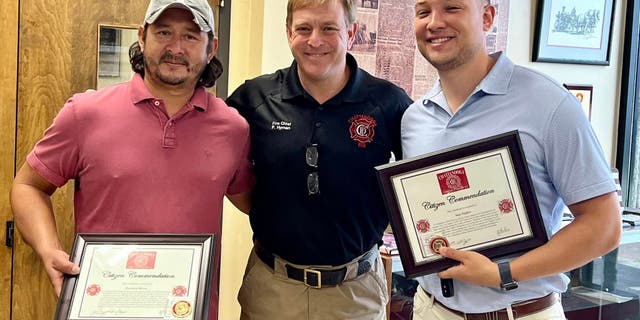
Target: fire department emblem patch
(362, 129)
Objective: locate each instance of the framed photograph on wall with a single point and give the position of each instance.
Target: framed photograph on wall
(584, 93)
(573, 31)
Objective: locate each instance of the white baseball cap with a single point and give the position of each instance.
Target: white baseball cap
(202, 13)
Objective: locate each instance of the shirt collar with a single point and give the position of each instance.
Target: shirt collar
(140, 93)
(499, 77)
(292, 87)
(495, 82)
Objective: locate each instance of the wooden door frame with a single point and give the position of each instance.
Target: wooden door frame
(8, 80)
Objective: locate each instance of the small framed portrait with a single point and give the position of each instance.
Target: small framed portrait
(573, 31)
(584, 94)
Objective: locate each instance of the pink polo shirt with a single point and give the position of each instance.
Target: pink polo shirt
(138, 170)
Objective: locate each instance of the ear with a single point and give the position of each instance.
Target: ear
(213, 49)
(140, 38)
(488, 16)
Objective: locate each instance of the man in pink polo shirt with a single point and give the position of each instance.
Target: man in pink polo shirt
(156, 154)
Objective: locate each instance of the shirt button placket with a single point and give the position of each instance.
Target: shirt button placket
(169, 139)
(317, 122)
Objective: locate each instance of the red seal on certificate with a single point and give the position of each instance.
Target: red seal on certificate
(181, 309)
(436, 243)
(453, 180)
(93, 290)
(505, 206)
(179, 291)
(423, 226)
(141, 260)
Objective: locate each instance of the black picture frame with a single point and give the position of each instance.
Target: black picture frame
(570, 33)
(392, 175)
(197, 305)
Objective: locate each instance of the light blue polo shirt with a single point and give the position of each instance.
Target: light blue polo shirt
(565, 159)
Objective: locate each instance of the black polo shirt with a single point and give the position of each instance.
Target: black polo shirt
(354, 131)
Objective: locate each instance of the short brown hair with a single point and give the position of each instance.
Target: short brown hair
(349, 6)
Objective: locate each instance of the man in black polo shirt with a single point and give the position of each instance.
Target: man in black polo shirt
(318, 128)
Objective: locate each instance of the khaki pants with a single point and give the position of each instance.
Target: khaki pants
(267, 294)
(424, 308)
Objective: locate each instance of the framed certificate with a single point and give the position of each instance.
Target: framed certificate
(138, 276)
(477, 196)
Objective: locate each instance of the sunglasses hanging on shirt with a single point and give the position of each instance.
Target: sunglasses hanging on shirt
(311, 157)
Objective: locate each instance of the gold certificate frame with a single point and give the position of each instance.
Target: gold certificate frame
(477, 196)
(139, 276)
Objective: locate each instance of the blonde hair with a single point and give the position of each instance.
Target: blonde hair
(349, 6)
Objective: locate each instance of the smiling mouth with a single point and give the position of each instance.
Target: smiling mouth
(439, 40)
(315, 54)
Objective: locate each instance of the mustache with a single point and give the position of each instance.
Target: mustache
(179, 59)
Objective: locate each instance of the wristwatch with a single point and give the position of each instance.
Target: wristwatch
(506, 281)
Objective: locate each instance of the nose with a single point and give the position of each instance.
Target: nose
(175, 45)
(315, 38)
(436, 20)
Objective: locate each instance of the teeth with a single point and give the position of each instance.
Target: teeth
(439, 40)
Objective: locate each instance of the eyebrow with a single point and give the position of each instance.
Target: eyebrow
(423, 2)
(189, 28)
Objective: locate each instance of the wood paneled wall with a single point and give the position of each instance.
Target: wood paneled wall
(8, 75)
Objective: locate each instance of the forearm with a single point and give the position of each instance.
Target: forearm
(595, 231)
(34, 217)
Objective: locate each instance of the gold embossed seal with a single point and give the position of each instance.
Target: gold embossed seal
(181, 309)
(436, 243)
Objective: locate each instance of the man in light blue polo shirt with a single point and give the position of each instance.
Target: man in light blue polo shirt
(480, 95)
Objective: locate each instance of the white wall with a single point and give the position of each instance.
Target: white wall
(244, 62)
(276, 54)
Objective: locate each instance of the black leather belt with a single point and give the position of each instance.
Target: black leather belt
(317, 278)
